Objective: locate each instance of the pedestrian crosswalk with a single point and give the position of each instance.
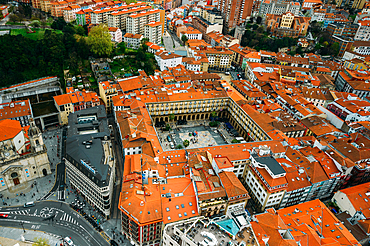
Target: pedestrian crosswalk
(68, 218)
(21, 212)
(61, 195)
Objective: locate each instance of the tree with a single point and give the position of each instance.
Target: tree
(214, 123)
(43, 23)
(59, 23)
(179, 146)
(186, 143)
(172, 116)
(35, 24)
(235, 141)
(168, 128)
(39, 241)
(13, 18)
(184, 38)
(140, 55)
(121, 48)
(259, 20)
(99, 40)
(334, 49)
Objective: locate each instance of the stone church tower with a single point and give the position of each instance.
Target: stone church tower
(35, 137)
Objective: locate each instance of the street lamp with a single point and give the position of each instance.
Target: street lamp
(35, 183)
(21, 223)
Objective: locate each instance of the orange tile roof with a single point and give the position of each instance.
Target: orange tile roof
(149, 12)
(154, 24)
(223, 162)
(307, 220)
(9, 129)
(113, 29)
(358, 196)
(62, 99)
(235, 190)
(15, 109)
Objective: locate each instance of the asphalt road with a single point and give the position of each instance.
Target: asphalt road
(60, 173)
(55, 218)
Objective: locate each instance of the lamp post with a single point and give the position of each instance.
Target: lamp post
(35, 183)
(21, 223)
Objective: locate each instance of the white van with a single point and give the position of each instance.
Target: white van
(29, 204)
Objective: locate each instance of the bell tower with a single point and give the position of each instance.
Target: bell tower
(35, 136)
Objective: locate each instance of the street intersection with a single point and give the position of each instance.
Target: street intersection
(55, 218)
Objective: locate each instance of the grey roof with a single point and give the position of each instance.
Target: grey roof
(92, 157)
(271, 163)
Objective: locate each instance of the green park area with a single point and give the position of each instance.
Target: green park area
(36, 35)
(133, 61)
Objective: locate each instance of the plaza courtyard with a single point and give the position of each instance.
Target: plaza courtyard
(198, 133)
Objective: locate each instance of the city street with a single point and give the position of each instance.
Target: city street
(55, 218)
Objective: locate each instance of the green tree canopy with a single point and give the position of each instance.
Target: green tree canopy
(184, 38)
(99, 40)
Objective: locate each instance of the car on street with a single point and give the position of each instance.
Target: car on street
(29, 204)
(2, 215)
(68, 241)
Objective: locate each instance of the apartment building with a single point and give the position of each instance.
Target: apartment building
(153, 32)
(353, 82)
(17, 110)
(115, 16)
(309, 4)
(350, 110)
(69, 13)
(355, 64)
(355, 4)
(218, 39)
(363, 31)
(265, 179)
(361, 47)
(107, 91)
(116, 34)
(211, 14)
(205, 26)
(191, 33)
(318, 14)
(74, 101)
(344, 30)
(136, 22)
(57, 8)
(219, 58)
(133, 41)
(354, 201)
(167, 60)
(278, 8)
(234, 13)
(90, 161)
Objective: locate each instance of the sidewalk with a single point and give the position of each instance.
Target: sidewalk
(29, 236)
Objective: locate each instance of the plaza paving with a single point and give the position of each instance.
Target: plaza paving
(206, 135)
